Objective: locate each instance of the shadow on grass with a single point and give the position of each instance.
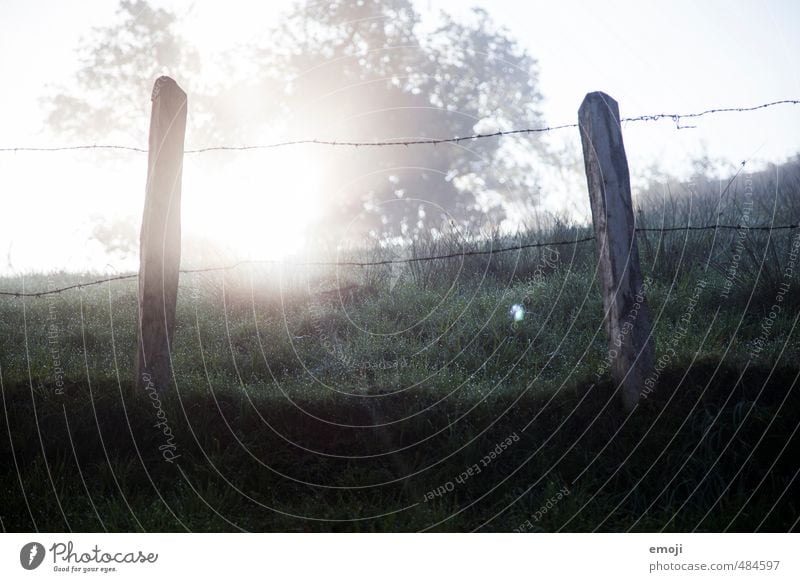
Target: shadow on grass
(711, 449)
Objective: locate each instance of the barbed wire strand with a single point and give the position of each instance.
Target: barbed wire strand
(675, 117)
(720, 227)
(399, 261)
(62, 289)
(396, 261)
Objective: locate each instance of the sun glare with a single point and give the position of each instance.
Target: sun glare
(258, 206)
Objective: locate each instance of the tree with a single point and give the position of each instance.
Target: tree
(348, 70)
(369, 67)
(117, 235)
(118, 65)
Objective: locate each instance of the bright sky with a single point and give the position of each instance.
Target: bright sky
(653, 57)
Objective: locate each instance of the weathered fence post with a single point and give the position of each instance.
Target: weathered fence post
(160, 240)
(627, 316)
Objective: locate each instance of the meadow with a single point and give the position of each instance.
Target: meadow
(386, 399)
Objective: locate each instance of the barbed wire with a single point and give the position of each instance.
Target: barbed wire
(395, 261)
(719, 227)
(18, 294)
(69, 287)
(76, 147)
(675, 117)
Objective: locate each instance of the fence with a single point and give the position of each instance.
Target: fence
(608, 183)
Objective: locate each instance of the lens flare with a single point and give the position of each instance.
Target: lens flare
(517, 312)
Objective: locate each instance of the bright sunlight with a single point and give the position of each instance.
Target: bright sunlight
(259, 206)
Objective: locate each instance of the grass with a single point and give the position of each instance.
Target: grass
(295, 409)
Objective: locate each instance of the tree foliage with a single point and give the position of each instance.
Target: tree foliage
(347, 70)
(118, 65)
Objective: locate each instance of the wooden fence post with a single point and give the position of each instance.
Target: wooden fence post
(160, 240)
(627, 316)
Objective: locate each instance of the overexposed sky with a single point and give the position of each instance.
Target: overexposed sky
(653, 57)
